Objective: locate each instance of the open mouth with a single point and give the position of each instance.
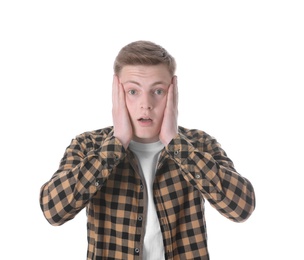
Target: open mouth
(144, 119)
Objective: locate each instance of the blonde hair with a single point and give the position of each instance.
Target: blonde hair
(144, 53)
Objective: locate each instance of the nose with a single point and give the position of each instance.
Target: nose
(146, 102)
(146, 107)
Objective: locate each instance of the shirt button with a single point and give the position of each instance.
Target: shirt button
(136, 250)
(140, 218)
(197, 176)
(176, 152)
(96, 183)
(141, 186)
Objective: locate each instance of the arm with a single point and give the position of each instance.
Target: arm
(81, 174)
(205, 165)
(169, 127)
(121, 121)
(83, 170)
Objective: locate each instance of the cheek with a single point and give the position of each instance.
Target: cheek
(161, 107)
(130, 106)
(164, 103)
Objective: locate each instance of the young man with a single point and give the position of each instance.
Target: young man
(144, 181)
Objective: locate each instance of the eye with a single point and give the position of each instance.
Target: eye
(159, 91)
(132, 91)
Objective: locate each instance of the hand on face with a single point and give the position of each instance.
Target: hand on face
(121, 120)
(169, 128)
(123, 128)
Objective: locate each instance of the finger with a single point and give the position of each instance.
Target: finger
(170, 96)
(118, 95)
(114, 89)
(121, 94)
(175, 92)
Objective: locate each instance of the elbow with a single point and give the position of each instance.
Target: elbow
(243, 216)
(243, 211)
(246, 205)
(239, 217)
(53, 218)
(48, 209)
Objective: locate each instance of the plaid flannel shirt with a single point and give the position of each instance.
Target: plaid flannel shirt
(96, 172)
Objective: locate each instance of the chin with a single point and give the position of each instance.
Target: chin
(145, 138)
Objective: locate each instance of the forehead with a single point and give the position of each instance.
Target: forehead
(143, 72)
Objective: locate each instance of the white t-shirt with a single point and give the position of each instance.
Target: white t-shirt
(148, 154)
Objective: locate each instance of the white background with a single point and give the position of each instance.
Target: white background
(240, 73)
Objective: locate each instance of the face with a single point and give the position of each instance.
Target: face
(146, 89)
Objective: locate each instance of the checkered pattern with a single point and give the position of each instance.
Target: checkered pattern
(96, 172)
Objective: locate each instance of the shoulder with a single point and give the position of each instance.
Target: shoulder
(93, 139)
(194, 135)
(198, 138)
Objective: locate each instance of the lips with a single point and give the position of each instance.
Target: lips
(143, 119)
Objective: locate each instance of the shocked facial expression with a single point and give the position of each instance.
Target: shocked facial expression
(146, 89)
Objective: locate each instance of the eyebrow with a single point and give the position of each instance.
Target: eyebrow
(138, 84)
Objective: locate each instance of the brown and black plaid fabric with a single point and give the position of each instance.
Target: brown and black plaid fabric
(96, 172)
